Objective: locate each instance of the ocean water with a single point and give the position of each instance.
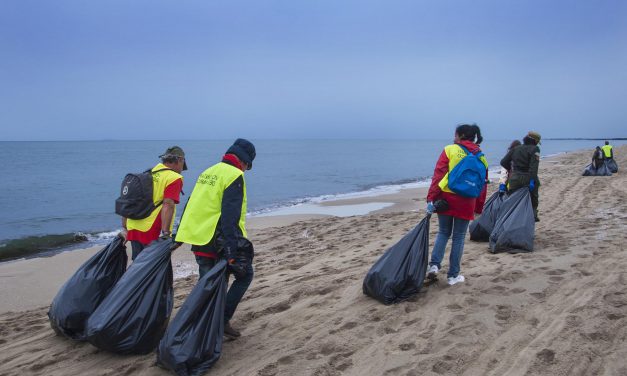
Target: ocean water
(55, 190)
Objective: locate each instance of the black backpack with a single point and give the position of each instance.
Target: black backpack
(135, 201)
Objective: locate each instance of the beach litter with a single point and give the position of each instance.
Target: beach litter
(79, 297)
(135, 314)
(401, 271)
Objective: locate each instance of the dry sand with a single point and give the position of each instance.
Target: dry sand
(561, 310)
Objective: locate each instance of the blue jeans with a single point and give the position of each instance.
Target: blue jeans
(458, 228)
(238, 287)
(136, 248)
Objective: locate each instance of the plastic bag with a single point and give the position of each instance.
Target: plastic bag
(401, 271)
(193, 341)
(481, 227)
(603, 170)
(84, 291)
(515, 226)
(611, 165)
(135, 314)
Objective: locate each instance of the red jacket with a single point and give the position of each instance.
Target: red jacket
(459, 206)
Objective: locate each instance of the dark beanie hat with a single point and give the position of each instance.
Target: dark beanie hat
(244, 150)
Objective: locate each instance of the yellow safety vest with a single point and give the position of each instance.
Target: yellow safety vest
(607, 150)
(204, 207)
(455, 153)
(160, 180)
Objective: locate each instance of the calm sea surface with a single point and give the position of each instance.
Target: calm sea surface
(61, 188)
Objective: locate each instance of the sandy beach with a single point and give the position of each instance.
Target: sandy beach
(561, 310)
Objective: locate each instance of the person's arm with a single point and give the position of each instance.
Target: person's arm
(441, 168)
(506, 162)
(124, 232)
(482, 196)
(232, 201)
(167, 213)
(171, 197)
(534, 164)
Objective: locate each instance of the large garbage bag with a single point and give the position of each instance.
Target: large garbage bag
(82, 293)
(135, 314)
(611, 165)
(481, 227)
(401, 271)
(602, 170)
(193, 341)
(514, 229)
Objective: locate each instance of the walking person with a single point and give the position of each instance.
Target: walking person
(506, 172)
(598, 157)
(524, 161)
(167, 187)
(214, 220)
(608, 150)
(461, 209)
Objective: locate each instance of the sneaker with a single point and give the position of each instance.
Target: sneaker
(454, 280)
(432, 272)
(229, 331)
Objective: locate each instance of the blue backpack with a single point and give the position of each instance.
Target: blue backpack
(468, 177)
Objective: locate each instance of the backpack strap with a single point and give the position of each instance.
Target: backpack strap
(154, 172)
(466, 150)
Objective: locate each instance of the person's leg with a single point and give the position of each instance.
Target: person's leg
(535, 197)
(236, 292)
(204, 265)
(136, 248)
(444, 232)
(460, 226)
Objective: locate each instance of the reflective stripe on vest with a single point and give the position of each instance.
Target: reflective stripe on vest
(204, 207)
(160, 180)
(607, 150)
(455, 154)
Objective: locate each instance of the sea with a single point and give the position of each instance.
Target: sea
(60, 195)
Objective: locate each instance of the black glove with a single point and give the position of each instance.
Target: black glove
(236, 268)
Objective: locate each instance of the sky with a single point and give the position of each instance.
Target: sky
(297, 69)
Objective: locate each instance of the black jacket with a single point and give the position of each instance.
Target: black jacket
(523, 159)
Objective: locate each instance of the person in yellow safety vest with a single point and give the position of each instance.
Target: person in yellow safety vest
(608, 151)
(167, 188)
(213, 222)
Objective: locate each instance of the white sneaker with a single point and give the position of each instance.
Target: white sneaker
(454, 280)
(432, 271)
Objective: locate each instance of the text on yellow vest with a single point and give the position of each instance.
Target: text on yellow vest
(455, 154)
(160, 180)
(204, 207)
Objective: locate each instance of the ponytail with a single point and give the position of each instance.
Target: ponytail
(470, 132)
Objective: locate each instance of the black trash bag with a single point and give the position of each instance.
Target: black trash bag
(193, 341)
(401, 271)
(82, 293)
(481, 227)
(611, 165)
(135, 314)
(603, 170)
(515, 227)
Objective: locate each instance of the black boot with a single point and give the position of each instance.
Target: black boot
(229, 331)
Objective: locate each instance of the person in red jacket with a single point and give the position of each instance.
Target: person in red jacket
(455, 219)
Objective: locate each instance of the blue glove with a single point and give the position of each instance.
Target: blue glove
(502, 188)
(532, 185)
(430, 208)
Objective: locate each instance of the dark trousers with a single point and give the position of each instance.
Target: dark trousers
(238, 287)
(136, 248)
(518, 181)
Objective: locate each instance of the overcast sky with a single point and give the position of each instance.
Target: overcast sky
(151, 69)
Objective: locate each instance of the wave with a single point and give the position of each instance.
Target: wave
(372, 190)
